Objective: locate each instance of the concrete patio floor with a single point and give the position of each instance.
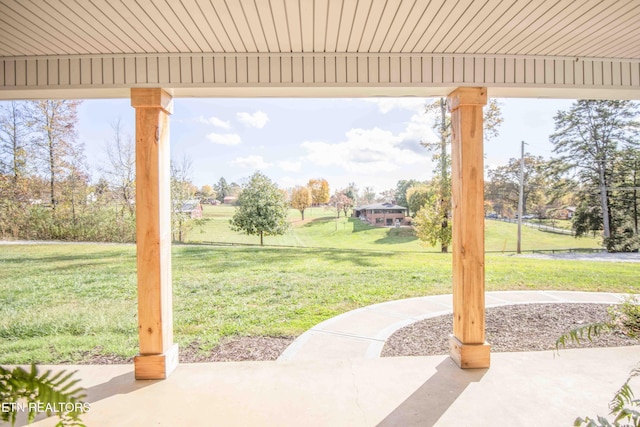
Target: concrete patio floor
(520, 389)
(333, 376)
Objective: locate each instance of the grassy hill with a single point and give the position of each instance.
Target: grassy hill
(320, 229)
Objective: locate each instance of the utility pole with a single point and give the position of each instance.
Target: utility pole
(520, 198)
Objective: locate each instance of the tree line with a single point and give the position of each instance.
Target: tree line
(594, 174)
(46, 191)
(45, 187)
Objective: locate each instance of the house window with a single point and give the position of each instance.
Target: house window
(389, 221)
(379, 220)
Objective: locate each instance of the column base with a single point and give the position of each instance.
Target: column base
(156, 366)
(469, 356)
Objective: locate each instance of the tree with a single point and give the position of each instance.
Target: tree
(120, 170)
(14, 184)
(182, 190)
(429, 225)
(14, 132)
(262, 209)
(54, 123)
(206, 191)
(341, 202)
(222, 189)
(401, 191)
(418, 196)
(352, 192)
(587, 138)
(442, 173)
(504, 183)
(319, 191)
(368, 195)
(301, 199)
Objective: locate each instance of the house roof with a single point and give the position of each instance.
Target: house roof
(380, 206)
(189, 205)
(63, 48)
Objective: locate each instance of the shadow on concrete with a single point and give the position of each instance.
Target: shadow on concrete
(122, 384)
(429, 402)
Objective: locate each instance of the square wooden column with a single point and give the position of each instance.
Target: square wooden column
(158, 354)
(467, 344)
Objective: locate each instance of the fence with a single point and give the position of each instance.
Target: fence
(542, 227)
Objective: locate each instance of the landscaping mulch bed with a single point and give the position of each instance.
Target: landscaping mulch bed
(522, 327)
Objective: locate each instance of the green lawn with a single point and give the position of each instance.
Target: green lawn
(321, 230)
(65, 302)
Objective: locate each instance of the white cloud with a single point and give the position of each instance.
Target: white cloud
(251, 162)
(255, 120)
(289, 166)
(224, 139)
(406, 103)
(215, 122)
(375, 151)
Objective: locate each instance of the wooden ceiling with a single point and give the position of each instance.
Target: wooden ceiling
(580, 28)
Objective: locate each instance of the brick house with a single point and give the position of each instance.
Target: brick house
(381, 214)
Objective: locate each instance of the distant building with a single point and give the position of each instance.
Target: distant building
(564, 213)
(192, 207)
(382, 214)
(230, 200)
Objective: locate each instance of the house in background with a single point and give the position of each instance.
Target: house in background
(381, 214)
(230, 200)
(564, 213)
(193, 208)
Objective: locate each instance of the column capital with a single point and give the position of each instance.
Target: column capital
(152, 98)
(466, 96)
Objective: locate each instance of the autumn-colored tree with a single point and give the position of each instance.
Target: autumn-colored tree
(54, 126)
(319, 191)
(301, 199)
(206, 190)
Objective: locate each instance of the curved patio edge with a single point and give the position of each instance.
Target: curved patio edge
(362, 333)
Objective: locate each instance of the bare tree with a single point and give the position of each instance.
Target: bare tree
(120, 171)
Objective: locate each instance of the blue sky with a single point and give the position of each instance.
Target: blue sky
(372, 142)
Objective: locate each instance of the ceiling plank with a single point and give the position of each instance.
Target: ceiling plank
(265, 15)
(414, 26)
(235, 29)
(227, 42)
(254, 24)
(127, 26)
(484, 19)
(360, 18)
(567, 30)
(281, 24)
(373, 22)
(334, 15)
(292, 8)
(390, 12)
(399, 19)
(36, 28)
(346, 22)
(320, 17)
